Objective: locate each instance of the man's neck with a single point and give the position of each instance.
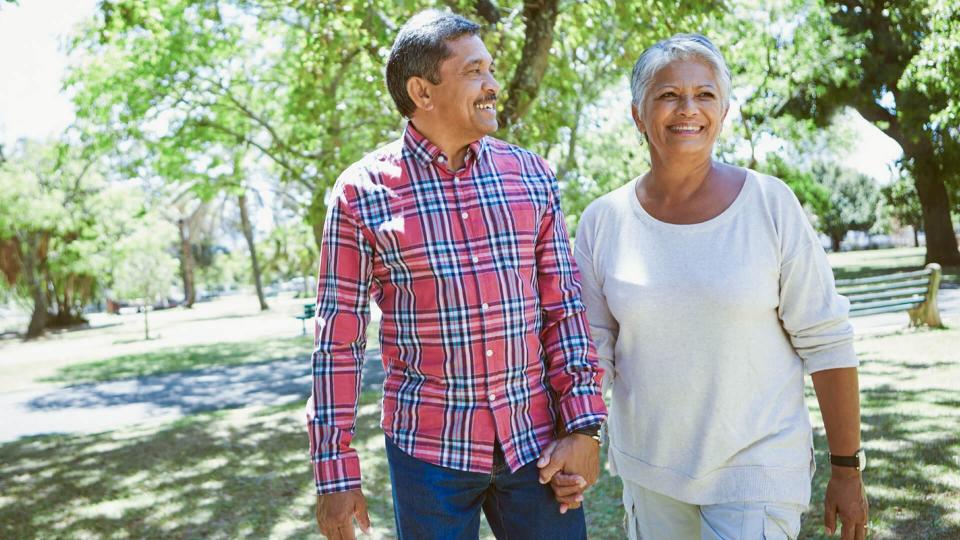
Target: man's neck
(453, 147)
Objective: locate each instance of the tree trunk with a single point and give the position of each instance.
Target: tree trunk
(539, 17)
(835, 241)
(38, 288)
(941, 241)
(146, 325)
(317, 216)
(916, 236)
(248, 235)
(186, 266)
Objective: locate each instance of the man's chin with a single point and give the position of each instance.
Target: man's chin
(489, 128)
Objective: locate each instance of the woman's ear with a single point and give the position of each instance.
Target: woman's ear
(418, 89)
(636, 118)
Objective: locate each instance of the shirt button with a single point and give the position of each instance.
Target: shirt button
(489, 352)
(456, 179)
(485, 306)
(464, 215)
(492, 397)
(441, 159)
(475, 260)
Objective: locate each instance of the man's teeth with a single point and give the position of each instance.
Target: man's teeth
(485, 106)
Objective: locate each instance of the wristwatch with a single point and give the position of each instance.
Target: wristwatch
(592, 431)
(857, 461)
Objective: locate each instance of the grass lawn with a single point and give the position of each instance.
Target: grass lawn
(243, 473)
(855, 264)
(174, 359)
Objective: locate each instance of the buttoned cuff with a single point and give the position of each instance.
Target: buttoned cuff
(582, 411)
(335, 475)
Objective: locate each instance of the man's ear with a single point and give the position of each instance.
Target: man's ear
(419, 89)
(636, 118)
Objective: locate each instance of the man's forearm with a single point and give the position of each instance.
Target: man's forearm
(838, 392)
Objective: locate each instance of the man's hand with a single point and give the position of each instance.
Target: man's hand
(845, 496)
(577, 458)
(335, 513)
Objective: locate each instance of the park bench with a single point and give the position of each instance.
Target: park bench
(915, 292)
(309, 311)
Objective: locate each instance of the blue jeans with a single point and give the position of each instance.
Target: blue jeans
(433, 502)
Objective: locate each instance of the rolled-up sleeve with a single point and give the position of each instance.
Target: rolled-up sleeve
(574, 372)
(814, 315)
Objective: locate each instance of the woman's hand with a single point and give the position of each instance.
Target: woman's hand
(846, 498)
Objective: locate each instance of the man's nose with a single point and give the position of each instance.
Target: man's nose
(491, 84)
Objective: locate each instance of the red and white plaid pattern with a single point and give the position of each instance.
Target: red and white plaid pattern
(483, 335)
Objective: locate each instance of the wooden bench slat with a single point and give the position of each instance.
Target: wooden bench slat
(876, 311)
(883, 279)
(846, 291)
(886, 294)
(905, 302)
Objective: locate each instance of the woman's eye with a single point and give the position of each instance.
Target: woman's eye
(706, 95)
(668, 95)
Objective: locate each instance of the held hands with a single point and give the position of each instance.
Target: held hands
(335, 513)
(570, 465)
(846, 497)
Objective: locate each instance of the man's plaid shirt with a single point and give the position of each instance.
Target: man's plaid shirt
(483, 335)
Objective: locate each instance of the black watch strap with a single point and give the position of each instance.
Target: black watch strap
(592, 431)
(846, 461)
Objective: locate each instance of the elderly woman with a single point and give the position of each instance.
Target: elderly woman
(709, 296)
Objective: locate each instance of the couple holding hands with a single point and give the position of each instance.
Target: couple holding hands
(697, 295)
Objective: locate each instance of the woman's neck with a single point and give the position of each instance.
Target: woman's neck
(676, 179)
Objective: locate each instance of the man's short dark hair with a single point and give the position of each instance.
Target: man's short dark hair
(420, 48)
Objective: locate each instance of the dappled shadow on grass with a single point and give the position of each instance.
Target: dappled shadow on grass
(912, 439)
(242, 474)
(183, 358)
(201, 390)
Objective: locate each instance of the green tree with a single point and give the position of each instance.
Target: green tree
(891, 61)
(58, 231)
(291, 253)
(146, 271)
(852, 204)
(902, 206)
(813, 193)
(301, 83)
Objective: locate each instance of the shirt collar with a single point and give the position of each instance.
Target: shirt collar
(426, 152)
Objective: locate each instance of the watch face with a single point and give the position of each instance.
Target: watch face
(862, 458)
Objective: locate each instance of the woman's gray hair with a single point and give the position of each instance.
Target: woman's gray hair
(678, 47)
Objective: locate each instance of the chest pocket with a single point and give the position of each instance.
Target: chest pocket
(513, 235)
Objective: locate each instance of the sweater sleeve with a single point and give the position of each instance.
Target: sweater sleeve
(813, 314)
(604, 328)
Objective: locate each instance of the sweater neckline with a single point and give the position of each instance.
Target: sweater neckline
(726, 215)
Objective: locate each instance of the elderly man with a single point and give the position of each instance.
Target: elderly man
(460, 239)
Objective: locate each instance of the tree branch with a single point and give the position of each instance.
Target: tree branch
(205, 122)
(540, 17)
(874, 113)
